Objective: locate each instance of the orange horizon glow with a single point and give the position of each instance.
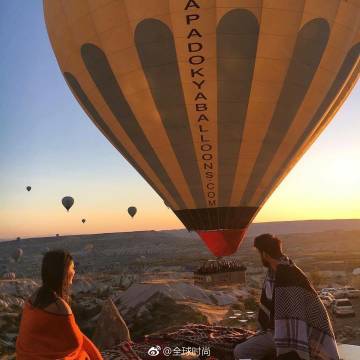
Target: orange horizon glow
(317, 188)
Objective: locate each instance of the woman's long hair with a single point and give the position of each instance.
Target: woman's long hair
(54, 274)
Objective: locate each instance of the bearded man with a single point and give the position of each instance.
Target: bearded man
(294, 323)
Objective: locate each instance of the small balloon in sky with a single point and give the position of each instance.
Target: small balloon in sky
(83, 221)
(132, 211)
(28, 188)
(67, 202)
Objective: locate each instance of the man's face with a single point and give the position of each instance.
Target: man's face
(263, 259)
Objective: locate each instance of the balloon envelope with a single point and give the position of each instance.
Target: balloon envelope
(28, 188)
(213, 104)
(67, 202)
(83, 221)
(132, 211)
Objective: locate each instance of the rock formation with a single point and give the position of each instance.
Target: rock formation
(111, 328)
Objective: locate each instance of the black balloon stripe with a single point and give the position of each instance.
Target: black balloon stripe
(237, 38)
(343, 73)
(225, 218)
(310, 44)
(156, 49)
(100, 70)
(87, 104)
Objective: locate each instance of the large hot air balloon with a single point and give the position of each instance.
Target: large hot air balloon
(213, 102)
(132, 211)
(67, 202)
(28, 188)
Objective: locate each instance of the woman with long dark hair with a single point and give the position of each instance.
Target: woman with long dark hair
(48, 329)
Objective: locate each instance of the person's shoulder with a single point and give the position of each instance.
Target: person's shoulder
(291, 275)
(59, 307)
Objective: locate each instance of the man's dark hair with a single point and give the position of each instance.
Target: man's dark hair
(269, 244)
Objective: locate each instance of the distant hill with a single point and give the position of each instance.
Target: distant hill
(334, 243)
(291, 227)
(275, 227)
(304, 226)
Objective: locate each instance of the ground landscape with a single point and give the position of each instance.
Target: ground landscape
(149, 277)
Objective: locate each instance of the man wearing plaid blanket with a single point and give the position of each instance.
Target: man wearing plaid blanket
(295, 324)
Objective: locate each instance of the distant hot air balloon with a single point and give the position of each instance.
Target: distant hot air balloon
(17, 254)
(18, 238)
(212, 102)
(28, 188)
(83, 221)
(132, 211)
(57, 235)
(67, 202)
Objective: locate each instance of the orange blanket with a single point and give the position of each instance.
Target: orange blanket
(45, 336)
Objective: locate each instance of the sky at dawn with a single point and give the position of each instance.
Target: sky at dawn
(49, 143)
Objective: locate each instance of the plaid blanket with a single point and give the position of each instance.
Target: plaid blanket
(300, 321)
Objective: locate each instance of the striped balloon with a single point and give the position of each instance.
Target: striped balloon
(212, 101)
